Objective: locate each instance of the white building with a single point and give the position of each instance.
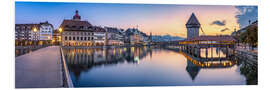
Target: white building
(45, 31)
(99, 36)
(114, 36)
(193, 26)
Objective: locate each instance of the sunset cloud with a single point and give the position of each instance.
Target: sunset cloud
(219, 23)
(225, 29)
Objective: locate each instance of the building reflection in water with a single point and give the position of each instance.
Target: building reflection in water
(82, 59)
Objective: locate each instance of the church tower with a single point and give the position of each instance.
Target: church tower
(77, 17)
(193, 26)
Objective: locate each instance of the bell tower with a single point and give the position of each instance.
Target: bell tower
(77, 17)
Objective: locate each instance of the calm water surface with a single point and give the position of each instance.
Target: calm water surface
(148, 66)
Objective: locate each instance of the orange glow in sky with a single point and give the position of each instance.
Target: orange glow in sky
(174, 23)
(156, 18)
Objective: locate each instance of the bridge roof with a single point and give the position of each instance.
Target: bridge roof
(211, 38)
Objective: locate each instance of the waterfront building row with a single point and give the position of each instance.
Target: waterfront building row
(77, 32)
(27, 34)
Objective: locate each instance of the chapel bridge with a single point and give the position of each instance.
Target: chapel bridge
(192, 48)
(203, 41)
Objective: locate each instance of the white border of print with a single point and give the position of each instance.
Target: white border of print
(7, 41)
(201, 2)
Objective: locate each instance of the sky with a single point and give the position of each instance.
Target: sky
(160, 19)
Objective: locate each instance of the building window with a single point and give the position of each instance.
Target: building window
(81, 38)
(85, 38)
(73, 38)
(81, 27)
(78, 38)
(69, 38)
(88, 38)
(92, 38)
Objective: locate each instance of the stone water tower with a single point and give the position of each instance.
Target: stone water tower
(193, 26)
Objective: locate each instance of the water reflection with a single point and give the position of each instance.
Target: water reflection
(148, 66)
(79, 59)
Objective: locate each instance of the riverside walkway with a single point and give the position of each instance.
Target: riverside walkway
(39, 69)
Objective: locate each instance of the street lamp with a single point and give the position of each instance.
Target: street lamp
(60, 31)
(35, 29)
(35, 33)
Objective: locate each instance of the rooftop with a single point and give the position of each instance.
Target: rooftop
(212, 38)
(193, 20)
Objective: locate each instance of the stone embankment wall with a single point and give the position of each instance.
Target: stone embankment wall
(249, 66)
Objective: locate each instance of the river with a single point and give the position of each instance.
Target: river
(148, 66)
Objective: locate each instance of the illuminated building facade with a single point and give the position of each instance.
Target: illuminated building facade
(99, 36)
(114, 36)
(27, 32)
(77, 32)
(46, 31)
(56, 38)
(134, 36)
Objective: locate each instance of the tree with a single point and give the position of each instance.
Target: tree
(250, 36)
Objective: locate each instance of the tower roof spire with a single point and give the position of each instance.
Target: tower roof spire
(193, 20)
(77, 16)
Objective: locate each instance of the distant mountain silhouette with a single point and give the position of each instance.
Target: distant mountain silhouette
(159, 38)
